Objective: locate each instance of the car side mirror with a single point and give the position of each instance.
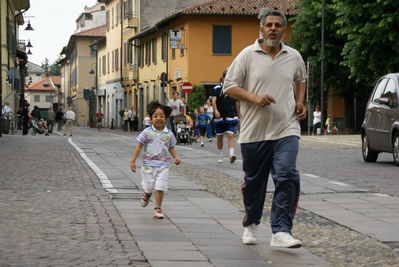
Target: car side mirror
(384, 101)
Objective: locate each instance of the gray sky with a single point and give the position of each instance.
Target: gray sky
(53, 22)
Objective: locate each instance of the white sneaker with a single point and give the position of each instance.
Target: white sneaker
(220, 160)
(210, 139)
(285, 240)
(202, 144)
(250, 236)
(232, 158)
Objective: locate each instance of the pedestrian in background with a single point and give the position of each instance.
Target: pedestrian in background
(226, 111)
(35, 113)
(132, 116)
(156, 142)
(50, 120)
(147, 121)
(203, 122)
(70, 118)
(316, 120)
(99, 119)
(268, 78)
(19, 115)
(177, 105)
(59, 118)
(25, 119)
(125, 120)
(209, 111)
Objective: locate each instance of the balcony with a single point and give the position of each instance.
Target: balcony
(134, 72)
(131, 19)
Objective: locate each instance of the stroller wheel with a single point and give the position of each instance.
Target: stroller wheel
(33, 132)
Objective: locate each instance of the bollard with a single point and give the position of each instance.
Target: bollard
(112, 124)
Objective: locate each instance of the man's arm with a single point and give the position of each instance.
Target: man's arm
(299, 91)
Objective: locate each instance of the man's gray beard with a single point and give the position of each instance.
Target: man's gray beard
(271, 43)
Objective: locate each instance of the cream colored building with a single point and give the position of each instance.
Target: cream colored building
(12, 58)
(80, 59)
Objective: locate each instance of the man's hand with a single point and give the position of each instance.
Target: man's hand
(264, 100)
(133, 166)
(301, 111)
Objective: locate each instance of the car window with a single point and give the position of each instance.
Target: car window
(379, 89)
(390, 92)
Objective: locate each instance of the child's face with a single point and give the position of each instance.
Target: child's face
(181, 122)
(158, 119)
(196, 111)
(201, 110)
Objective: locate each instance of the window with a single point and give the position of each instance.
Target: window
(104, 65)
(108, 62)
(107, 19)
(221, 40)
(182, 49)
(379, 90)
(124, 53)
(113, 60)
(117, 59)
(48, 98)
(173, 52)
(112, 17)
(154, 50)
(36, 98)
(141, 59)
(391, 94)
(117, 13)
(147, 53)
(164, 47)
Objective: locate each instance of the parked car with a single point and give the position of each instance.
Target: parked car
(380, 128)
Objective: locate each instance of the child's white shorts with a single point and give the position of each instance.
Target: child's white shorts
(154, 177)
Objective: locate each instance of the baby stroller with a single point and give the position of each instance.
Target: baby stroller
(38, 127)
(183, 131)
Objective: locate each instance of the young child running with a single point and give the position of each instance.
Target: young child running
(203, 120)
(156, 140)
(196, 128)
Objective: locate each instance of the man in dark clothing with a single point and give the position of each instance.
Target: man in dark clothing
(25, 119)
(36, 113)
(59, 118)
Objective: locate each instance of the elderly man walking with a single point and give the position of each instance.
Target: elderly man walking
(70, 117)
(50, 120)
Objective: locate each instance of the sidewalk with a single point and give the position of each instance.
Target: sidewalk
(57, 213)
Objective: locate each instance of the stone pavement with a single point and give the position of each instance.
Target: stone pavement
(75, 202)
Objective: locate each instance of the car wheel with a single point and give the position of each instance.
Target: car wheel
(368, 154)
(396, 149)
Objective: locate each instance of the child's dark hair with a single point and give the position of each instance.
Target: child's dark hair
(154, 105)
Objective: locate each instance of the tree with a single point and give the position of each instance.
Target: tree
(372, 30)
(306, 37)
(53, 69)
(197, 97)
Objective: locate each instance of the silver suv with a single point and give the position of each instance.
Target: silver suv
(380, 128)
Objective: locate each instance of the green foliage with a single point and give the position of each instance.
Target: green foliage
(360, 45)
(372, 30)
(52, 69)
(121, 112)
(197, 97)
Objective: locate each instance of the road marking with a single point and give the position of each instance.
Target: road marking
(311, 175)
(107, 185)
(381, 195)
(338, 183)
(331, 141)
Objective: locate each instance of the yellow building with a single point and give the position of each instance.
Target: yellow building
(195, 44)
(13, 57)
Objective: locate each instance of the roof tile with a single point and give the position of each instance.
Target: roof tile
(240, 7)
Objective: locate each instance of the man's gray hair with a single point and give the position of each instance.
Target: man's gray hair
(264, 12)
